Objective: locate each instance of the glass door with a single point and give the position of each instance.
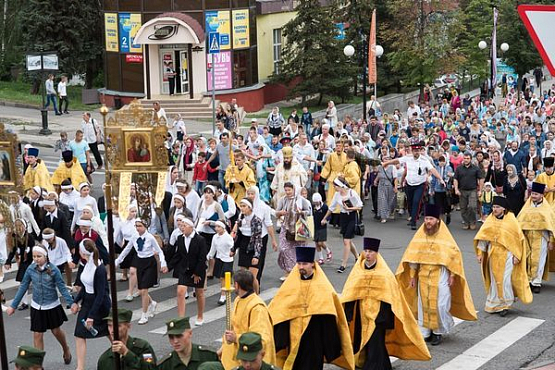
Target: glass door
(167, 63)
(184, 71)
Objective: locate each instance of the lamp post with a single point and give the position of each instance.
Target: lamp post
(379, 53)
(111, 250)
(482, 45)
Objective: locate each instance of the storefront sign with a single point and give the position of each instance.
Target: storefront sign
(129, 24)
(504, 69)
(222, 71)
(111, 29)
(134, 58)
(163, 32)
(240, 28)
(219, 21)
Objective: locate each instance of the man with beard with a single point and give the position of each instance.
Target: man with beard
(70, 169)
(309, 321)
(432, 279)
(381, 323)
(537, 220)
(239, 178)
(36, 174)
(290, 170)
(501, 251)
(548, 179)
(417, 168)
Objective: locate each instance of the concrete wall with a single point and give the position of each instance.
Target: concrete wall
(265, 25)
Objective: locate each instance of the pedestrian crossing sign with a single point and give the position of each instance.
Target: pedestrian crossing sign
(213, 42)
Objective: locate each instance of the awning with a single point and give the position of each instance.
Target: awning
(170, 28)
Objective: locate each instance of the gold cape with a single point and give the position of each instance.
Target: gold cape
(38, 176)
(549, 181)
(333, 168)
(250, 315)
(75, 173)
(445, 253)
(235, 175)
(352, 175)
(507, 234)
(297, 301)
(370, 287)
(538, 219)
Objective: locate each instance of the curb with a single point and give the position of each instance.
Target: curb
(6, 103)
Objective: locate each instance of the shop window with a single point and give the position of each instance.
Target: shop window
(110, 5)
(254, 67)
(113, 77)
(187, 4)
(252, 26)
(130, 5)
(241, 63)
(277, 49)
(239, 3)
(216, 4)
(158, 5)
(132, 74)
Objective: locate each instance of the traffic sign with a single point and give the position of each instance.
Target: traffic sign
(539, 20)
(213, 42)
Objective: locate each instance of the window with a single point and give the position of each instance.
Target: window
(157, 5)
(277, 49)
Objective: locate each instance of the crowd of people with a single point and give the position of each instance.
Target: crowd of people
(282, 183)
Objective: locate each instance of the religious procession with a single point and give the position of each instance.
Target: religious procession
(205, 215)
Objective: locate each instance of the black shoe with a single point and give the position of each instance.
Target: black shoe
(447, 219)
(23, 307)
(341, 269)
(536, 289)
(429, 338)
(503, 313)
(413, 227)
(376, 217)
(436, 340)
(66, 112)
(58, 114)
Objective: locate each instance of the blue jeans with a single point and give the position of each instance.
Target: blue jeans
(199, 186)
(414, 196)
(221, 174)
(49, 98)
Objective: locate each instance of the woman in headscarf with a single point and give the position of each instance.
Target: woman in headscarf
(514, 189)
(209, 211)
(188, 160)
(173, 174)
(264, 163)
(386, 181)
(22, 245)
(84, 199)
(177, 208)
(97, 224)
(289, 209)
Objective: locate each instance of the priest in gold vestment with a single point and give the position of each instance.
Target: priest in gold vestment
(537, 220)
(548, 178)
(239, 178)
(431, 277)
(309, 321)
(380, 321)
(250, 314)
(334, 167)
(501, 250)
(36, 174)
(352, 171)
(69, 169)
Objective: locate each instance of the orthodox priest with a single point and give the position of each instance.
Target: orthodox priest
(380, 320)
(501, 250)
(333, 168)
(309, 321)
(36, 174)
(431, 277)
(69, 169)
(548, 179)
(239, 178)
(537, 221)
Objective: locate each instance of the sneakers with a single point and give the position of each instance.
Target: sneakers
(329, 256)
(436, 339)
(187, 295)
(136, 294)
(221, 301)
(473, 227)
(151, 308)
(129, 298)
(341, 269)
(143, 320)
(199, 322)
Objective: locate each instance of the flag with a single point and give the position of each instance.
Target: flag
(494, 52)
(372, 70)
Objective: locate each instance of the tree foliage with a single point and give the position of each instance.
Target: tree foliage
(71, 27)
(312, 53)
(11, 53)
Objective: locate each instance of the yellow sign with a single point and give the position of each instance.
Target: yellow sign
(219, 21)
(111, 27)
(161, 188)
(124, 194)
(135, 25)
(241, 29)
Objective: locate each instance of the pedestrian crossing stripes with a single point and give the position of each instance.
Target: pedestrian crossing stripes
(482, 352)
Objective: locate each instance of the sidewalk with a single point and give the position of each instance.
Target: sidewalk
(27, 123)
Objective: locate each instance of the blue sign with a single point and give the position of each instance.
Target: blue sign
(213, 43)
(124, 31)
(340, 31)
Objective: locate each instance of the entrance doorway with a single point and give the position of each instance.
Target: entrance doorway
(175, 57)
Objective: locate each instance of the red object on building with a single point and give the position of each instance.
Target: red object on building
(134, 58)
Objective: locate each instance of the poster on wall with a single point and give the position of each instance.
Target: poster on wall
(167, 58)
(512, 76)
(241, 30)
(222, 71)
(129, 24)
(111, 30)
(219, 21)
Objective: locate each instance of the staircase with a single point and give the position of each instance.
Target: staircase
(190, 109)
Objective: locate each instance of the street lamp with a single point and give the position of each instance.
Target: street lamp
(504, 47)
(349, 50)
(379, 51)
(482, 45)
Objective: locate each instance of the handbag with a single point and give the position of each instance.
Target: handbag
(359, 226)
(304, 228)
(289, 236)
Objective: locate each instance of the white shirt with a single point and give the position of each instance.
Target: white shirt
(302, 151)
(52, 215)
(246, 225)
(78, 206)
(264, 213)
(417, 169)
(411, 111)
(338, 200)
(22, 210)
(60, 254)
(150, 248)
(69, 199)
(62, 88)
(192, 200)
(221, 247)
(89, 132)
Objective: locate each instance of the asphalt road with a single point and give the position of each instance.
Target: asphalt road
(523, 338)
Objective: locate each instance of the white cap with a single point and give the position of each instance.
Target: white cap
(82, 222)
(188, 221)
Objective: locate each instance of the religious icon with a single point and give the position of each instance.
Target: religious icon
(7, 164)
(138, 147)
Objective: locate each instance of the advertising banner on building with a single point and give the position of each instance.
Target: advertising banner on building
(508, 71)
(219, 21)
(222, 71)
(129, 24)
(111, 31)
(240, 20)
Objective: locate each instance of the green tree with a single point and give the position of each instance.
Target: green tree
(72, 28)
(312, 58)
(10, 51)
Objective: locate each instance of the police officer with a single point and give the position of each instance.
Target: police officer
(250, 353)
(29, 358)
(135, 353)
(185, 354)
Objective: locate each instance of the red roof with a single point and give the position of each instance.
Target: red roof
(193, 23)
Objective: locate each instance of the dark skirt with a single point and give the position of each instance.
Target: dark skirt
(43, 320)
(78, 275)
(347, 221)
(320, 235)
(147, 275)
(21, 271)
(129, 259)
(220, 268)
(99, 324)
(245, 256)
(208, 239)
(62, 267)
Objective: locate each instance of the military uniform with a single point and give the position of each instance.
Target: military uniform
(199, 354)
(29, 357)
(140, 355)
(250, 344)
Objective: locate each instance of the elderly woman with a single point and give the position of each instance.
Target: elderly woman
(514, 189)
(387, 187)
